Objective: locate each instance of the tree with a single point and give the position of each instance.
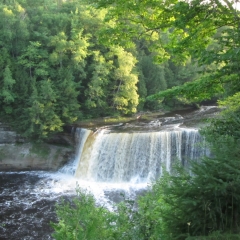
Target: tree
(7, 95)
(185, 29)
(154, 75)
(13, 28)
(81, 219)
(125, 97)
(34, 59)
(54, 46)
(204, 203)
(98, 71)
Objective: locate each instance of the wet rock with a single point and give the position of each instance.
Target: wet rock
(27, 156)
(181, 118)
(7, 135)
(16, 154)
(65, 138)
(155, 123)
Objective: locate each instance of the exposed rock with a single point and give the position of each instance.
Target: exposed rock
(63, 138)
(182, 118)
(28, 156)
(47, 156)
(18, 155)
(9, 136)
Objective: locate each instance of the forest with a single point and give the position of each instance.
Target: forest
(60, 65)
(63, 61)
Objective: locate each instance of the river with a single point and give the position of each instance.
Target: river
(108, 164)
(28, 200)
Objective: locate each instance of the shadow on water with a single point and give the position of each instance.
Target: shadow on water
(28, 200)
(25, 213)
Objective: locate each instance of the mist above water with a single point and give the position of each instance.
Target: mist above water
(108, 164)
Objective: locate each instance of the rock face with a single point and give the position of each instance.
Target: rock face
(18, 155)
(28, 156)
(8, 136)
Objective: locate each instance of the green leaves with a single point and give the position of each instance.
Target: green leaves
(34, 59)
(125, 97)
(81, 219)
(6, 89)
(205, 31)
(196, 91)
(42, 111)
(55, 69)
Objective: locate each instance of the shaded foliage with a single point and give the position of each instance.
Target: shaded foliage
(54, 70)
(202, 204)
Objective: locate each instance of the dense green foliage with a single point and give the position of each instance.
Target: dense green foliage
(52, 64)
(55, 69)
(202, 203)
(81, 219)
(206, 31)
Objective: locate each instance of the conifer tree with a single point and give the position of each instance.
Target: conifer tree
(7, 95)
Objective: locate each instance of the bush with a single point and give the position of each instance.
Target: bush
(82, 219)
(202, 204)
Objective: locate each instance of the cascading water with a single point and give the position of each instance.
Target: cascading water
(107, 163)
(81, 136)
(140, 157)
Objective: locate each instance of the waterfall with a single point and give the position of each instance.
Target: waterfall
(81, 136)
(137, 157)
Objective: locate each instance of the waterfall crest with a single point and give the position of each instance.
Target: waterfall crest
(135, 157)
(81, 136)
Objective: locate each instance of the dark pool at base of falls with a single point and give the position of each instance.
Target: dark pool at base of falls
(28, 201)
(108, 164)
(25, 213)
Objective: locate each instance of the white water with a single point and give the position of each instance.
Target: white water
(81, 136)
(136, 157)
(128, 162)
(108, 165)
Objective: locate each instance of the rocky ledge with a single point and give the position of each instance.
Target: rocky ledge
(29, 156)
(16, 154)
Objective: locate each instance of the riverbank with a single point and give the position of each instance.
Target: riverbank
(32, 156)
(18, 155)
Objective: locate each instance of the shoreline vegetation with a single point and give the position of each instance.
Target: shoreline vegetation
(57, 69)
(63, 61)
(139, 116)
